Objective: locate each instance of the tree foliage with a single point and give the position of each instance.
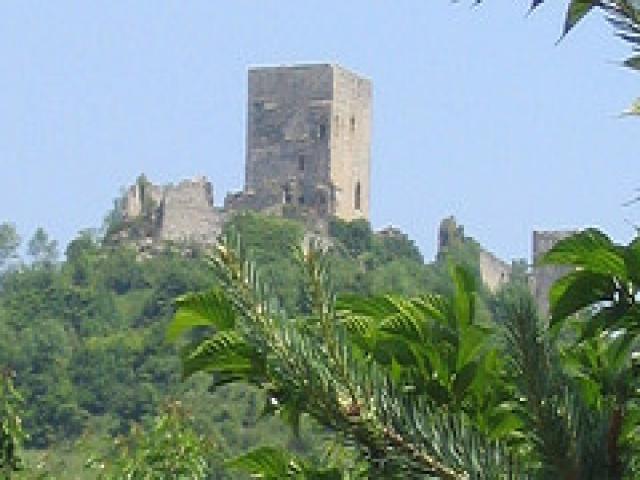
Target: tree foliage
(168, 447)
(41, 249)
(86, 335)
(316, 365)
(11, 432)
(424, 387)
(9, 244)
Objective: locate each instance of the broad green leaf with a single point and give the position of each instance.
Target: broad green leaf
(433, 306)
(578, 290)
(632, 260)
(601, 320)
(223, 352)
(619, 352)
(357, 325)
(465, 377)
(374, 307)
(409, 321)
(266, 463)
(504, 421)
(405, 325)
(201, 309)
(591, 250)
(472, 343)
(390, 347)
(464, 297)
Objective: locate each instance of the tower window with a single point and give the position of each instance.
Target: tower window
(286, 195)
(301, 199)
(301, 163)
(352, 123)
(356, 197)
(322, 131)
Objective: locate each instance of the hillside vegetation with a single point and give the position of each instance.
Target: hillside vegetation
(85, 335)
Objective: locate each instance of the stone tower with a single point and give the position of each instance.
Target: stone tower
(308, 140)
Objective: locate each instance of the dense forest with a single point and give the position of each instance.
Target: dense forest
(85, 336)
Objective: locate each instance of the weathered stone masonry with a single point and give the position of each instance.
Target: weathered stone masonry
(182, 213)
(308, 142)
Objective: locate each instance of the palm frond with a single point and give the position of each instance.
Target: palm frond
(568, 434)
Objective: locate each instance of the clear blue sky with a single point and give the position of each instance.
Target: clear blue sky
(477, 113)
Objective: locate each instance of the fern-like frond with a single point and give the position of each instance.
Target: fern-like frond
(324, 373)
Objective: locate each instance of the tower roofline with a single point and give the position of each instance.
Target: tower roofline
(332, 65)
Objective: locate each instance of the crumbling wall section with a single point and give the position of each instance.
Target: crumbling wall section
(140, 194)
(188, 213)
(494, 272)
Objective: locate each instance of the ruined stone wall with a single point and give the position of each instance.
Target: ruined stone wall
(543, 277)
(135, 197)
(132, 206)
(188, 214)
(351, 144)
(494, 272)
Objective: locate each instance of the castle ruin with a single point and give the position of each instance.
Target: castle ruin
(182, 213)
(495, 272)
(308, 156)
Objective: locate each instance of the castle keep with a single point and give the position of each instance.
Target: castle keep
(308, 142)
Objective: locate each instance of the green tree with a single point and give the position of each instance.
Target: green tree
(9, 244)
(325, 365)
(600, 296)
(41, 249)
(426, 386)
(11, 433)
(168, 447)
(355, 236)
